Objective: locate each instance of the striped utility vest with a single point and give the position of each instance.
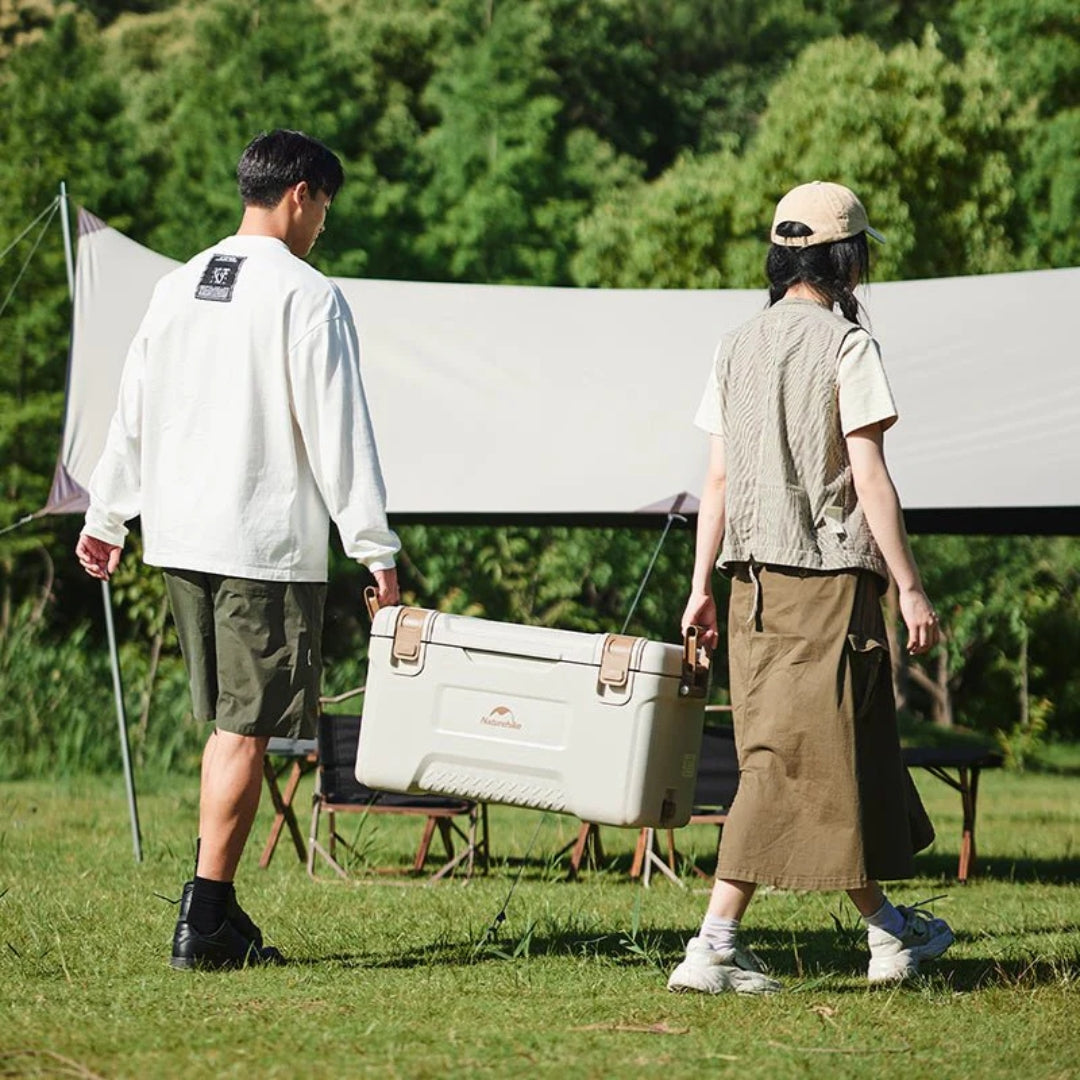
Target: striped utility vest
(790, 496)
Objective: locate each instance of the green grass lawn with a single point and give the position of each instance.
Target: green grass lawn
(390, 978)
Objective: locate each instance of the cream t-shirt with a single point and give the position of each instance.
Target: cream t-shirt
(863, 389)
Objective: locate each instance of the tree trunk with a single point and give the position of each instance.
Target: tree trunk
(47, 585)
(1025, 713)
(938, 689)
(943, 712)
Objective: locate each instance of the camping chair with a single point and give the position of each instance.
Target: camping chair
(337, 791)
(717, 781)
(298, 756)
(586, 844)
(304, 756)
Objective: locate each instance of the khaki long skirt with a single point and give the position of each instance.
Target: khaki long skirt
(824, 799)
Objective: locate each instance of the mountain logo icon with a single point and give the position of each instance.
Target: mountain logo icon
(502, 717)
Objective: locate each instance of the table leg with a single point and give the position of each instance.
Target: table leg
(969, 793)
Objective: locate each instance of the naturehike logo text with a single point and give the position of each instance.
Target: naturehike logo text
(500, 716)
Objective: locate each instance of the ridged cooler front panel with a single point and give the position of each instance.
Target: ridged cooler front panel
(476, 783)
(529, 731)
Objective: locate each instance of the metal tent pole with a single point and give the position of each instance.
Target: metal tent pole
(65, 225)
(106, 594)
(121, 719)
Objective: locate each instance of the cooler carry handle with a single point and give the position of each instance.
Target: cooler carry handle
(371, 599)
(695, 665)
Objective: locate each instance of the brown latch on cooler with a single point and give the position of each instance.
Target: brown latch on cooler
(408, 633)
(615, 659)
(695, 665)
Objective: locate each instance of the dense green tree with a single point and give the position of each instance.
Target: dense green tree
(353, 75)
(669, 234)
(245, 68)
(1011, 616)
(506, 176)
(24, 21)
(491, 160)
(1049, 190)
(656, 78)
(929, 144)
(1037, 45)
(385, 55)
(108, 11)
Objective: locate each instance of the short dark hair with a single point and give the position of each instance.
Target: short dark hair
(277, 160)
(828, 268)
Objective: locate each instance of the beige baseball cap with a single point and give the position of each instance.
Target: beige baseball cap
(831, 211)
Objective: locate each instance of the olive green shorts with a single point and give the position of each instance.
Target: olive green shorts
(252, 649)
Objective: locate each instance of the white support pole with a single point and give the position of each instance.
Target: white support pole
(118, 693)
(106, 595)
(65, 225)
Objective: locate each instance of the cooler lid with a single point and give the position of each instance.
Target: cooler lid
(533, 642)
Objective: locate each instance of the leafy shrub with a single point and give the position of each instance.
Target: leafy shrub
(56, 706)
(58, 713)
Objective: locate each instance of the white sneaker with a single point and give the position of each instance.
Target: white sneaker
(710, 972)
(893, 959)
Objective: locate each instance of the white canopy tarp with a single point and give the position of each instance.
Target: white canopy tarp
(500, 401)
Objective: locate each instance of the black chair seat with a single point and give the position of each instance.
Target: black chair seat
(339, 737)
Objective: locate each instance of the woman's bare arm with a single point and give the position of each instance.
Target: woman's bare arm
(701, 607)
(881, 505)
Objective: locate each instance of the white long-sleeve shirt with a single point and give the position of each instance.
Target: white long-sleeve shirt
(242, 427)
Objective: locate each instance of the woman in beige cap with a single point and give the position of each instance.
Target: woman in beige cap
(799, 496)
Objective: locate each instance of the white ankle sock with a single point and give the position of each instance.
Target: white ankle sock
(886, 918)
(719, 934)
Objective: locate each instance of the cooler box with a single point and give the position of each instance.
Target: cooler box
(606, 727)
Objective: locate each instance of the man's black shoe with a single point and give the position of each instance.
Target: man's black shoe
(188, 955)
(234, 913)
(225, 947)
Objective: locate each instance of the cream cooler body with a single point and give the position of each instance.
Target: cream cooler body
(602, 726)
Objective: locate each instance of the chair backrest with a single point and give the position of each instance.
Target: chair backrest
(718, 771)
(339, 737)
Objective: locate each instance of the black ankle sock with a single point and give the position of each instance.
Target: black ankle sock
(209, 903)
(195, 871)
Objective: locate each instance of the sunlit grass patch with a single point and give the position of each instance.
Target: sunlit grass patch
(392, 978)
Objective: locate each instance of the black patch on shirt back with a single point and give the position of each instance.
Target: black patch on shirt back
(219, 278)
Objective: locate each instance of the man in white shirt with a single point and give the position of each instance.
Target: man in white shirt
(241, 430)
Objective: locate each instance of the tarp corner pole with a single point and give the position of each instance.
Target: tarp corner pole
(106, 594)
(118, 692)
(65, 224)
